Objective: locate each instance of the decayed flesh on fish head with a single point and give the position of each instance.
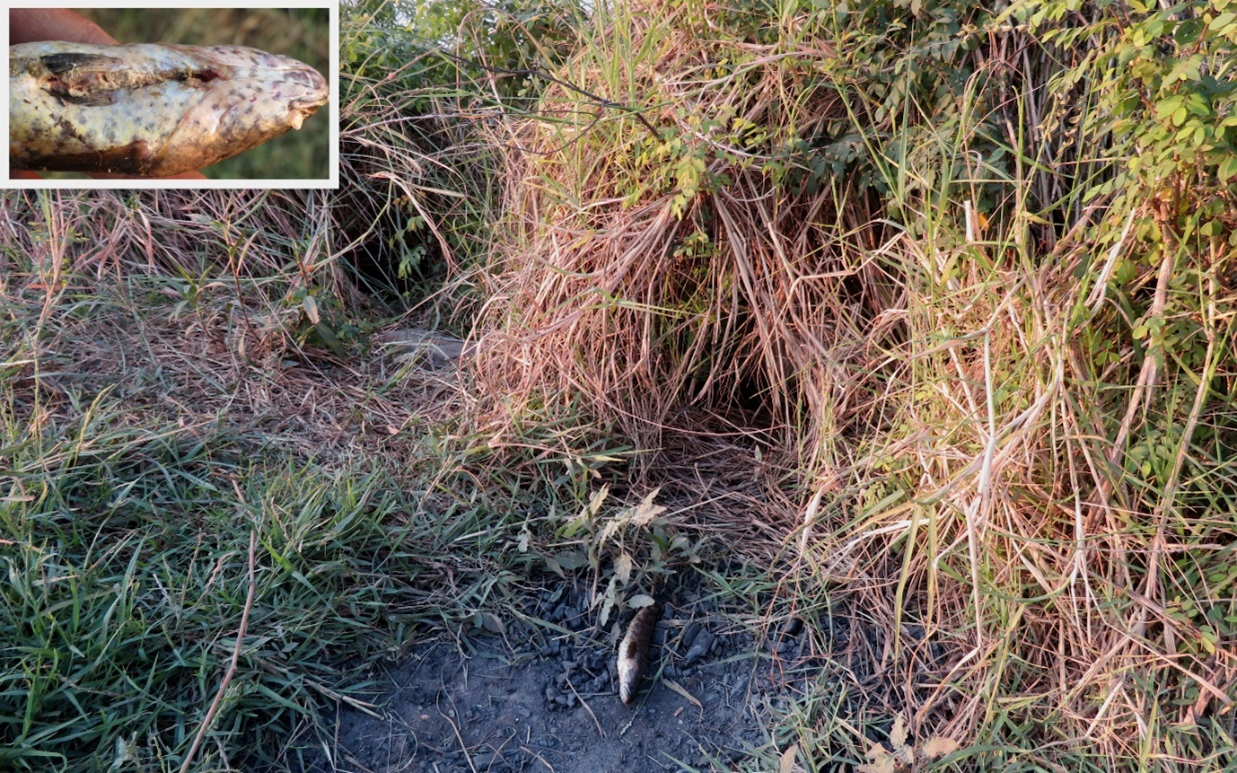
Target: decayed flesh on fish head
(150, 109)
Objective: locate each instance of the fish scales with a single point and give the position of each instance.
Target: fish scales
(150, 109)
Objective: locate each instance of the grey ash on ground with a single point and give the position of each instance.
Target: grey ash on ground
(536, 698)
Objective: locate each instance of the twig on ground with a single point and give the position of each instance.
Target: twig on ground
(236, 655)
(587, 708)
(463, 746)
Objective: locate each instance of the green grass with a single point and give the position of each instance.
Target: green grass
(128, 507)
(125, 559)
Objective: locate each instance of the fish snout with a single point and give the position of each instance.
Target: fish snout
(306, 91)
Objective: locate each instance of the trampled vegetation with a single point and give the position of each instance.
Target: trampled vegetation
(924, 309)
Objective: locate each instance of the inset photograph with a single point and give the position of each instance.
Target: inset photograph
(170, 94)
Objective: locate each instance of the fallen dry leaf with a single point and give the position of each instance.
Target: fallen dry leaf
(673, 685)
(938, 746)
(884, 763)
(788, 759)
(897, 736)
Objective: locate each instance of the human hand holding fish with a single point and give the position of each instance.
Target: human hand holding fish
(30, 25)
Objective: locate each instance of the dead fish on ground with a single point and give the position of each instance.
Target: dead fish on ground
(150, 109)
(633, 654)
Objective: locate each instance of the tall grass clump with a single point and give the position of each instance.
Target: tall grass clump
(974, 266)
(673, 240)
(420, 80)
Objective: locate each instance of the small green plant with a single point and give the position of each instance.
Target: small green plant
(632, 547)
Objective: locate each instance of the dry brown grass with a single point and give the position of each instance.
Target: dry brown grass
(203, 320)
(616, 285)
(946, 405)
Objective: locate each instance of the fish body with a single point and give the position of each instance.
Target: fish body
(150, 109)
(633, 655)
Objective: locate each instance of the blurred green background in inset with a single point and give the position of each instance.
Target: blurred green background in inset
(301, 33)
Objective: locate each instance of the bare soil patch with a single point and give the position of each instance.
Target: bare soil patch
(543, 696)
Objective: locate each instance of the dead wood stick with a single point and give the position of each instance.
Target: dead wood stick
(236, 656)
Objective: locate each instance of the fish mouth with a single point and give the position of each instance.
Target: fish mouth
(310, 103)
(315, 95)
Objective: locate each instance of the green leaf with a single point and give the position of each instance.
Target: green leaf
(571, 559)
(1165, 107)
(1186, 69)
(1198, 104)
(1188, 32)
(1228, 168)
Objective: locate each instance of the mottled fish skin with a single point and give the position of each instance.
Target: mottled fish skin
(150, 109)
